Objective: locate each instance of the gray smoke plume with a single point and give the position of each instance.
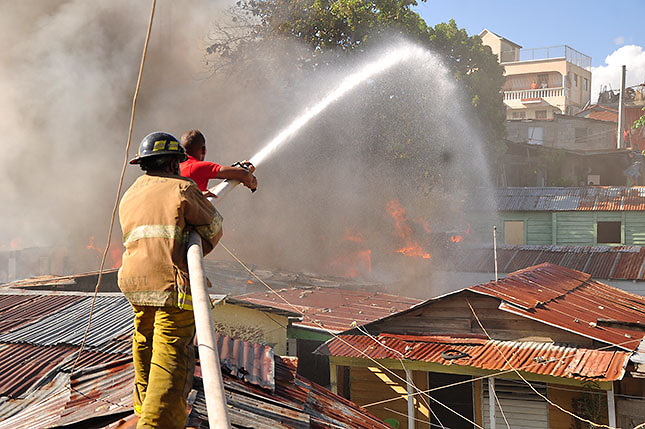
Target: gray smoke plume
(330, 202)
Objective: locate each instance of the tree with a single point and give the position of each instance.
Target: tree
(348, 26)
(640, 122)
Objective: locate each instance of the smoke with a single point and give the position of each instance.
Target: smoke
(68, 76)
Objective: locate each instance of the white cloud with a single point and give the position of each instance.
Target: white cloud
(619, 40)
(632, 56)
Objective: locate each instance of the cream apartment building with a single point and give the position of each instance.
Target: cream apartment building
(543, 81)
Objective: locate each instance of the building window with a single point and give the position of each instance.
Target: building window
(540, 114)
(519, 115)
(535, 135)
(581, 135)
(608, 232)
(586, 84)
(513, 232)
(575, 80)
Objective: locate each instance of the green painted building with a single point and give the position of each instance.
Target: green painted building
(584, 216)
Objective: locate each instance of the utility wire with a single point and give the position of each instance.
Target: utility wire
(315, 322)
(120, 187)
(553, 404)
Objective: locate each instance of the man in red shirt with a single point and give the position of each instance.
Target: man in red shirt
(201, 171)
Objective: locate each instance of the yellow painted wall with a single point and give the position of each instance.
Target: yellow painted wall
(252, 325)
(564, 396)
(373, 384)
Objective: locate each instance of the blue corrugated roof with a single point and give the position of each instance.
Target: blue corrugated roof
(589, 198)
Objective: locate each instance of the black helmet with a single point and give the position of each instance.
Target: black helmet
(157, 144)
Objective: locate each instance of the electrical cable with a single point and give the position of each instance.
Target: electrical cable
(315, 322)
(120, 187)
(553, 404)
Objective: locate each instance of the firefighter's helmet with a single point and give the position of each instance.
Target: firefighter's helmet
(158, 144)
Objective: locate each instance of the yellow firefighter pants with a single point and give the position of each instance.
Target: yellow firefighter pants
(164, 360)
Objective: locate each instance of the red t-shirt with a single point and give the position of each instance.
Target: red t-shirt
(199, 171)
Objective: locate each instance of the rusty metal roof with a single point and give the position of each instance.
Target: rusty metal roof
(18, 310)
(571, 300)
(603, 262)
(589, 198)
(534, 357)
(333, 308)
(112, 316)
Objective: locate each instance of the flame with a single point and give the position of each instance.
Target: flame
(15, 243)
(357, 258)
(116, 254)
(90, 245)
(456, 238)
(424, 223)
(412, 247)
(250, 282)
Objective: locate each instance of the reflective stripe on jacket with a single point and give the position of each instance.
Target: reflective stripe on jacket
(157, 214)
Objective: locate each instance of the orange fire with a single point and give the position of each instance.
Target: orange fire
(456, 238)
(116, 253)
(90, 245)
(412, 247)
(357, 258)
(15, 243)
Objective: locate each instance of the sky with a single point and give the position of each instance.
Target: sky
(610, 33)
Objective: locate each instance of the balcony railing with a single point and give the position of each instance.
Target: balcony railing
(524, 94)
(550, 52)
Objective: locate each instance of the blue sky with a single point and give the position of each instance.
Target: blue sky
(591, 27)
(611, 33)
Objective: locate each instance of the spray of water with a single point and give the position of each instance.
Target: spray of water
(395, 56)
(366, 72)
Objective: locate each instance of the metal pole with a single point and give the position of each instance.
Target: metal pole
(621, 107)
(611, 406)
(491, 401)
(208, 353)
(495, 250)
(408, 379)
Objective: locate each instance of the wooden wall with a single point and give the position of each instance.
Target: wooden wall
(373, 384)
(451, 315)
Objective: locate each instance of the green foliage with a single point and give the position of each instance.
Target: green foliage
(640, 122)
(349, 26)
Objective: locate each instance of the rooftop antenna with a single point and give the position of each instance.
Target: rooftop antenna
(495, 249)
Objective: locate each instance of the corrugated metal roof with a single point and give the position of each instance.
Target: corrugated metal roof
(570, 300)
(251, 362)
(334, 308)
(21, 365)
(112, 316)
(590, 198)
(18, 310)
(604, 262)
(296, 403)
(533, 357)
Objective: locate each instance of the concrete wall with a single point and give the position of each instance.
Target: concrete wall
(566, 132)
(252, 325)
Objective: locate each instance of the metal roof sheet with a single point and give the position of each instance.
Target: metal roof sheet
(570, 300)
(18, 310)
(21, 365)
(252, 362)
(590, 198)
(112, 316)
(534, 357)
(605, 262)
(334, 308)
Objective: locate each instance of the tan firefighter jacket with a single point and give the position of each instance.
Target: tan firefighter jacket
(157, 214)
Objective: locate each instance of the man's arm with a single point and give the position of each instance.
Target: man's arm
(200, 213)
(243, 175)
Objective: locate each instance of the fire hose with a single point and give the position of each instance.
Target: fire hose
(207, 345)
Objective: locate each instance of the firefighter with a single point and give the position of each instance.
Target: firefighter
(202, 171)
(157, 213)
